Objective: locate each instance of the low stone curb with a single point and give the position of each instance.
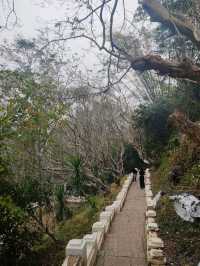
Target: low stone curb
(83, 252)
(155, 245)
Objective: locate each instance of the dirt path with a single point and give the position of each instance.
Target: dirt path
(125, 244)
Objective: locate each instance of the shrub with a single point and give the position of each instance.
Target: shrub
(15, 236)
(131, 159)
(153, 119)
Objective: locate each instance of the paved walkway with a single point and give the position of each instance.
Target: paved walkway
(125, 244)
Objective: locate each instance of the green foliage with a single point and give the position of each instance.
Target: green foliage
(16, 237)
(26, 192)
(27, 120)
(192, 177)
(76, 227)
(131, 159)
(160, 177)
(81, 222)
(22, 217)
(153, 119)
(92, 202)
(62, 211)
(186, 98)
(173, 142)
(78, 177)
(180, 237)
(30, 191)
(59, 193)
(108, 176)
(34, 137)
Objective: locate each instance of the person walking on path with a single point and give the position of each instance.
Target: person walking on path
(142, 185)
(134, 171)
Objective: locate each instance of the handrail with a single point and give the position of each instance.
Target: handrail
(155, 245)
(84, 251)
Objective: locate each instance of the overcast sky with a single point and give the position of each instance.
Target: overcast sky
(36, 14)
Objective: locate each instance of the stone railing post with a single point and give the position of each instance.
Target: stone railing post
(100, 229)
(91, 248)
(106, 216)
(77, 247)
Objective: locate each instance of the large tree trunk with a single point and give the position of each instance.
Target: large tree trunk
(186, 126)
(159, 13)
(184, 70)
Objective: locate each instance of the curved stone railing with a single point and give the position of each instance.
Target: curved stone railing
(83, 252)
(155, 245)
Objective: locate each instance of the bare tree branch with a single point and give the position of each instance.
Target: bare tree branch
(94, 10)
(103, 24)
(85, 37)
(11, 12)
(111, 24)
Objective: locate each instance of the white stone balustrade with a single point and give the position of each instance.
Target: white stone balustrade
(149, 193)
(126, 186)
(92, 248)
(100, 229)
(85, 250)
(77, 247)
(152, 227)
(124, 190)
(111, 209)
(147, 188)
(130, 177)
(147, 181)
(147, 173)
(150, 214)
(118, 205)
(155, 244)
(152, 234)
(121, 197)
(73, 260)
(150, 220)
(150, 205)
(106, 216)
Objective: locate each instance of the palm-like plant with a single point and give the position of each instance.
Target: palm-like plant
(60, 208)
(78, 177)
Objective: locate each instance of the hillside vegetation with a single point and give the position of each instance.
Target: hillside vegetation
(72, 130)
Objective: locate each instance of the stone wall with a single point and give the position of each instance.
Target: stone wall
(83, 252)
(155, 245)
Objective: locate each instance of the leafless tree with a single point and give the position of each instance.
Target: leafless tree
(106, 13)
